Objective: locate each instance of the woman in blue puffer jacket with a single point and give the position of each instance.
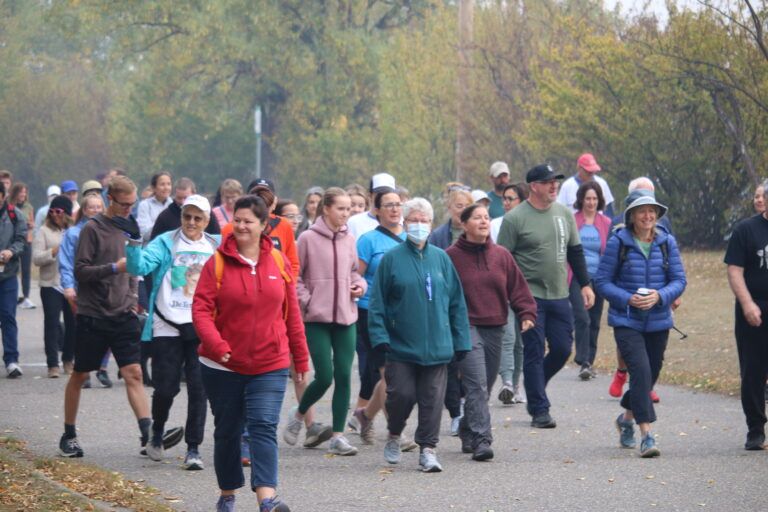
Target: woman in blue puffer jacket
(640, 275)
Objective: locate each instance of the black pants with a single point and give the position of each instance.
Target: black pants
(367, 363)
(644, 354)
(26, 269)
(752, 344)
(169, 355)
(453, 390)
(56, 338)
(586, 323)
(407, 385)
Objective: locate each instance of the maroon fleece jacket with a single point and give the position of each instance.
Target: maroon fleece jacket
(492, 282)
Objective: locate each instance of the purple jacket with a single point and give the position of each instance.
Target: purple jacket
(327, 273)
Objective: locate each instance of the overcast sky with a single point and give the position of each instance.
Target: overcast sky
(657, 6)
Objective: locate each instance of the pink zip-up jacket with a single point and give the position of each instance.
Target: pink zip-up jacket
(328, 270)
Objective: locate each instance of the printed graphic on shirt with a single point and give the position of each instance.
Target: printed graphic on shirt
(561, 234)
(185, 274)
(762, 256)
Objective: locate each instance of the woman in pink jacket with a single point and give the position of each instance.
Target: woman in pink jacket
(328, 288)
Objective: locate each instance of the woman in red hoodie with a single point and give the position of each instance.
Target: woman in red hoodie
(328, 288)
(246, 313)
(492, 282)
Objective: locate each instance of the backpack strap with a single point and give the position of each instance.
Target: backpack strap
(11, 213)
(218, 266)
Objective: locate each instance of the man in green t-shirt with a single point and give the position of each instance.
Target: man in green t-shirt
(542, 236)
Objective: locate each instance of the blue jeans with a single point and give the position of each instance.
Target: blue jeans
(9, 290)
(253, 400)
(511, 366)
(554, 322)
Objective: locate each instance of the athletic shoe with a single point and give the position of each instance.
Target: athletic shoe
(519, 395)
(155, 449)
(507, 394)
(655, 397)
(648, 447)
(407, 444)
(53, 373)
(273, 504)
(543, 420)
(103, 377)
(455, 426)
(353, 424)
(171, 438)
(192, 461)
(483, 452)
(626, 430)
(13, 370)
(392, 450)
(428, 461)
(617, 384)
(755, 440)
(87, 382)
(466, 445)
(292, 430)
(586, 372)
(317, 434)
(27, 304)
(592, 372)
(69, 367)
(340, 446)
(365, 426)
(226, 503)
(70, 447)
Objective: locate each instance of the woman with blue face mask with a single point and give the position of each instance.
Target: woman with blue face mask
(418, 318)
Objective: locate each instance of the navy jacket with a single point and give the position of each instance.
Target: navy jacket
(617, 285)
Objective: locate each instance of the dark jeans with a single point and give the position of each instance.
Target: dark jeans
(644, 354)
(752, 344)
(253, 400)
(586, 323)
(554, 323)
(366, 369)
(9, 291)
(26, 269)
(171, 355)
(407, 385)
(56, 338)
(478, 373)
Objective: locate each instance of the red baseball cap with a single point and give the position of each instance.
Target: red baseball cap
(588, 163)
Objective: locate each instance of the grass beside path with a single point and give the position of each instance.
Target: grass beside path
(32, 483)
(707, 358)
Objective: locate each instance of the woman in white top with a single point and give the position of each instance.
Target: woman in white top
(151, 207)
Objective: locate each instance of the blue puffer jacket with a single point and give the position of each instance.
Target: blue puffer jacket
(618, 285)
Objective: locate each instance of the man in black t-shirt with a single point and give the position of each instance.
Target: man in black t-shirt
(747, 260)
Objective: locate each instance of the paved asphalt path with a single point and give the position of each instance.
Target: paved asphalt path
(577, 466)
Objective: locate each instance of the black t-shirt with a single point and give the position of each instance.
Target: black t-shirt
(748, 248)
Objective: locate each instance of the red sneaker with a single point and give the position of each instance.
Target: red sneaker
(655, 397)
(617, 384)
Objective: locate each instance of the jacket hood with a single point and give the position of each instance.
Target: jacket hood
(321, 228)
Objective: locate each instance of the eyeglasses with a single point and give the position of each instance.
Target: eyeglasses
(57, 211)
(392, 206)
(124, 205)
(295, 217)
(188, 217)
(509, 199)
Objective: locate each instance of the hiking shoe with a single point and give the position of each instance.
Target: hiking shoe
(626, 430)
(104, 379)
(392, 450)
(755, 440)
(617, 383)
(155, 449)
(340, 446)
(69, 447)
(428, 461)
(353, 424)
(87, 382)
(226, 503)
(273, 504)
(365, 426)
(53, 373)
(543, 420)
(292, 430)
(13, 370)
(171, 438)
(483, 452)
(586, 372)
(648, 447)
(407, 444)
(507, 394)
(192, 461)
(27, 304)
(317, 434)
(455, 426)
(655, 397)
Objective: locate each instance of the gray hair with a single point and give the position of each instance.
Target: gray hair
(642, 183)
(420, 205)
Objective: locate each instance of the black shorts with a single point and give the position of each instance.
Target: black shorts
(95, 336)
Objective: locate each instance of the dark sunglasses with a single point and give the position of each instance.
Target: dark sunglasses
(188, 217)
(57, 211)
(124, 205)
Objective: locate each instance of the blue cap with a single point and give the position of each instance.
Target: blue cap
(68, 186)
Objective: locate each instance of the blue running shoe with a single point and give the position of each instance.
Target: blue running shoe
(648, 447)
(626, 430)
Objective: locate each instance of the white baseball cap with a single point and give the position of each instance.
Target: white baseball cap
(53, 190)
(497, 169)
(382, 182)
(478, 195)
(198, 201)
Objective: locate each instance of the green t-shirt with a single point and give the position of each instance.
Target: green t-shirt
(539, 241)
(496, 208)
(645, 247)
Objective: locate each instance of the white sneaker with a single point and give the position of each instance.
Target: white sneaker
(519, 395)
(27, 304)
(455, 426)
(292, 430)
(340, 446)
(14, 370)
(428, 461)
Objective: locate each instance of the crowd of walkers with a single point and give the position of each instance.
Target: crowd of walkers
(238, 294)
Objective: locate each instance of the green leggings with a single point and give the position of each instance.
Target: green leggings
(332, 347)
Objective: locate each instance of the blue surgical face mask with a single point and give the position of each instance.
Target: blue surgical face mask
(418, 232)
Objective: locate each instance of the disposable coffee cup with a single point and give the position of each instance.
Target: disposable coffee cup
(643, 291)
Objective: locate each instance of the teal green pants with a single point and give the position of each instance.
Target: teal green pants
(332, 347)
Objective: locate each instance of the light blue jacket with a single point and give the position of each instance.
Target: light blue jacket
(156, 259)
(67, 251)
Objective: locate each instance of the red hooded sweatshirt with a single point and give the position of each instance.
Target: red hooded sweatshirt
(249, 314)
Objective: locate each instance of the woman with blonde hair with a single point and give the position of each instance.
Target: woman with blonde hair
(229, 191)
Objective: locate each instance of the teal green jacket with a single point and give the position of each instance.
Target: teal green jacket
(156, 259)
(417, 306)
